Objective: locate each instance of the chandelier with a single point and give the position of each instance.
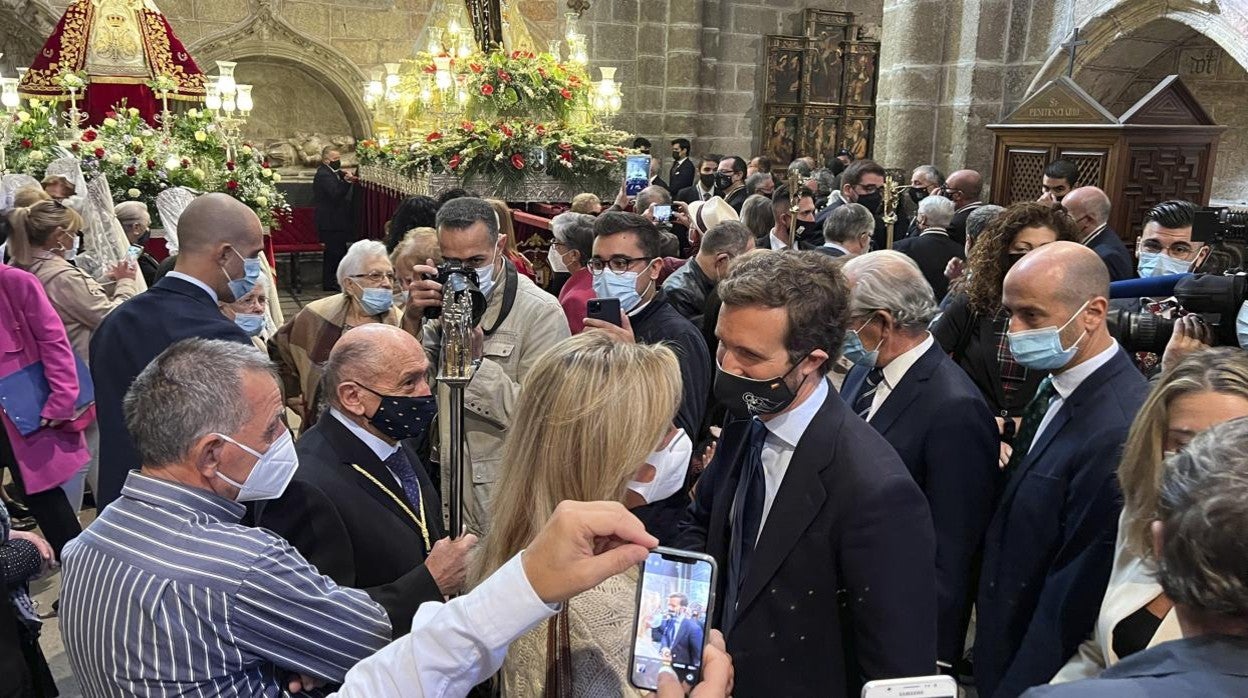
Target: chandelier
(230, 102)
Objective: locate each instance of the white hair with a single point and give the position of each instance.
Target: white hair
(937, 210)
(889, 280)
(357, 258)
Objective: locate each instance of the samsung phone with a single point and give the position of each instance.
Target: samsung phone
(662, 212)
(605, 309)
(919, 687)
(636, 174)
(675, 600)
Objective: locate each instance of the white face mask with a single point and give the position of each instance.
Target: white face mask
(671, 465)
(272, 473)
(556, 261)
(485, 277)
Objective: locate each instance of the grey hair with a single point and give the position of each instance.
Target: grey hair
(980, 218)
(930, 174)
(1203, 509)
(576, 230)
(848, 222)
(752, 182)
(462, 213)
(825, 179)
(192, 389)
(801, 167)
(758, 215)
(937, 210)
(130, 213)
(732, 237)
(653, 194)
(327, 150)
(357, 257)
(889, 280)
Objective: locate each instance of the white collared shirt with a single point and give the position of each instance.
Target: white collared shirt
(1068, 381)
(895, 371)
(783, 433)
(192, 280)
(375, 443)
(836, 246)
(776, 243)
(935, 231)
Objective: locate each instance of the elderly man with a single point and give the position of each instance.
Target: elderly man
(362, 508)
(926, 407)
(688, 287)
(933, 248)
(847, 232)
(1050, 546)
(137, 222)
(759, 163)
(521, 322)
(331, 191)
(166, 592)
(1198, 541)
(963, 188)
(219, 261)
(760, 183)
(925, 181)
(1090, 208)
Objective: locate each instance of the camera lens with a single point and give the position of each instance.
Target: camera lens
(1140, 330)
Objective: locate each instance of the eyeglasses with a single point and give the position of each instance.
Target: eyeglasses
(375, 276)
(618, 265)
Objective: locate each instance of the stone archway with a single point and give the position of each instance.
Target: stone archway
(27, 25)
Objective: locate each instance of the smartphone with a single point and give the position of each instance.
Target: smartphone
(919, 687)
(134, 253)
(675, 600)
(662, 212)
(605, 309)
(636, 174)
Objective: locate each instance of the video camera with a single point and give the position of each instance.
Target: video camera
(456, 278)
(1225, 232)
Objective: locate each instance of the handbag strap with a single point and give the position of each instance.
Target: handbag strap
(558, 657)
(964, 339)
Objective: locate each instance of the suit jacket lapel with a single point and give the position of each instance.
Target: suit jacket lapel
(797, 502)
(907, 391)
(351, 451)
(853, 383)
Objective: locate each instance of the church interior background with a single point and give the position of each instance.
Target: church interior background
(698, 68)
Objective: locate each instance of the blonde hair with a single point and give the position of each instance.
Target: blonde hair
(505, 226)
(33, 225)
(581, 433)
(1220, 370)
(418, 245)
(29, 196)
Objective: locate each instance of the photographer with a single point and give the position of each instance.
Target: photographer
(520, 323)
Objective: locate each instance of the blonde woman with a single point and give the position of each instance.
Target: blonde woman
(578, 437)
(1204, 389)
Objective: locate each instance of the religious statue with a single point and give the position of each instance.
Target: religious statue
(121, 45)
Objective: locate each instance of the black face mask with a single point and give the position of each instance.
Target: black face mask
(1011, 260)
(676, 155)
(805, 229)
(403, 416)
(723, 181)
(872, 201)
(917, 195)
(749, 397)
(335, 164)
(708, 180)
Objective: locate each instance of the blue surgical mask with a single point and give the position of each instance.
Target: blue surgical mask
(853, 349)
(1042, 349)
(251, 275)
(252, 324)
(1241, 326)
(1160, 264)
(376, 301)
(619, 285)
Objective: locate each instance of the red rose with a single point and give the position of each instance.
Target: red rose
(515, 55)
(430, 68)
(565, 156)
(99, 153)
(231, 185)
(27, 144)
(504, 76)
(475, 67)
(230, 166)
(565, 93)
(506, 131)
(466, 126)
(487, 89)
(186, 163)
(130, 172)
(435, 136)
(151, 164)
(88, 136)
(455, 160)
(265, 164)
(541, 130)
(542, 72)
(111, 114)
(517, 161)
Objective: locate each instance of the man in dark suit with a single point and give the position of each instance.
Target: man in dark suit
(1198, 543)
(703, 188)
(1050, 546)
(1090, 208)
(219, 260)
(847, 232)
(361, 507)
(925, 180)
(331, 190)
(782, 210)
(824, 541)
(963, 188)
(686, 641)
(683, 174)
(861, 183)
(730, 181)
(933, 248)
(926, 407)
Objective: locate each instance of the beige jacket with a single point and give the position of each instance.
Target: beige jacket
(1132, 586)
(80, 301)
(536, 323)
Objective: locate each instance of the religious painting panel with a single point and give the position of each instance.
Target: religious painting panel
(780, 129)
(820, 24)
(824, 67)
(857, 132)
(1024, 169)
(785, 56)
(818, 135)
(861, 72)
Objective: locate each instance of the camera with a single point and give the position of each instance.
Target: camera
(1140, 330)
(1225, 232)
(457, 278)
(1216, 298)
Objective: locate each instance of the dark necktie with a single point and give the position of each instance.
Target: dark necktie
(1033, 415)
(866, 395)
(747, 516)
(402, 469)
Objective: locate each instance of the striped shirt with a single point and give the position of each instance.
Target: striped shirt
(166, 594)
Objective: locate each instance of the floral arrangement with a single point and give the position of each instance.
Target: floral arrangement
(162, 83)
(32, 139)
(72, 81)
(524, 83)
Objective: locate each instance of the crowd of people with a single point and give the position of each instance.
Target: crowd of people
(931, 459)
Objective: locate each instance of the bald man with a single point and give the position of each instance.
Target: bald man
(963, 188)
(1050, 546)
(1090, 207)
(362, 507)
(221, 240)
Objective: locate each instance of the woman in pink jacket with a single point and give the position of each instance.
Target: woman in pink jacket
(31, 332)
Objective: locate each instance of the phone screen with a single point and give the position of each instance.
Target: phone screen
(675, 598)
(662, 212)
(636, 174)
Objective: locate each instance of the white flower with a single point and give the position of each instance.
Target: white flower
(246, 150)
(198, 173)
(134, 193)
(134, 112)
(266, 173)
(200, 136)
(276, 178)
(23, 116)
(35, 155)
(115, 158)
(193, 113)
(262, 201)
(148, 133)
(110, 122)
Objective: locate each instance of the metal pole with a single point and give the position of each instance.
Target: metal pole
(457, 470)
